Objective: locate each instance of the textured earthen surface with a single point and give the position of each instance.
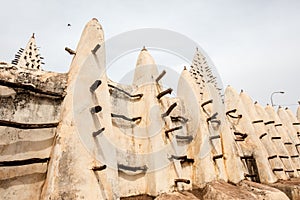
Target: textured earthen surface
(140, 143)
(290, 187)
(30, 111)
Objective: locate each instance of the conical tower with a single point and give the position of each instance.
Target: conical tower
(146, 69)
(29, 57)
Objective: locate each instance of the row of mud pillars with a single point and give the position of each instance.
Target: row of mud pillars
(290, 158)
(285, 159)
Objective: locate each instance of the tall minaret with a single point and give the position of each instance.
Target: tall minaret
(29, 57)
(146, 69)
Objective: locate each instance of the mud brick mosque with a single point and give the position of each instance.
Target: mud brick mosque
(80, 135)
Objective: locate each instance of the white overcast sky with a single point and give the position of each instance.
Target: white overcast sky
(254, 44)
